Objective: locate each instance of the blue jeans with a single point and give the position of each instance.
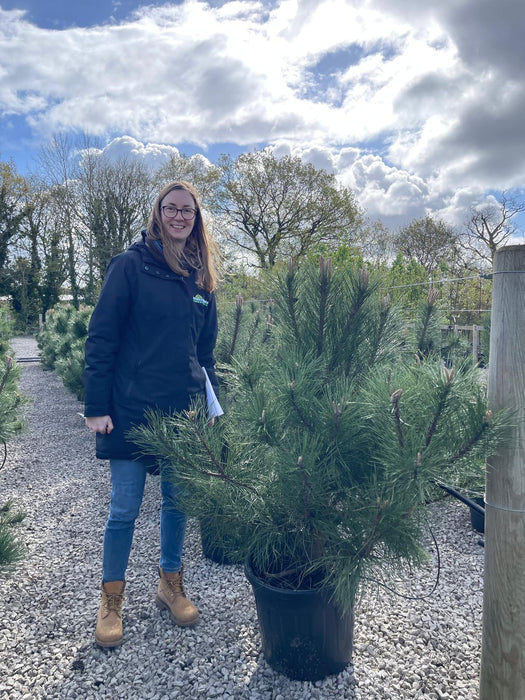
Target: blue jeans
(127, 488)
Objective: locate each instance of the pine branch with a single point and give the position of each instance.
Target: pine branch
(253, 330)
(238, 314)
(337, 416)
(267, 330)
(449, 375)
(429, 310)
(362, 295)
(394, 400)
(306, 502)
(325, 269)
(370, 542)
(298, 410)
(473, 440)
(291, 298)
(220, 473)
(383, 317)
(8, 368)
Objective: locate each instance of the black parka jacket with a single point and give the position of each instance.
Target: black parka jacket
(150, 334)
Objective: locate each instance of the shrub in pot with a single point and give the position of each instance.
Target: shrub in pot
(326, 457)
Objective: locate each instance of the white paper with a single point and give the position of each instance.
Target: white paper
(214, 407)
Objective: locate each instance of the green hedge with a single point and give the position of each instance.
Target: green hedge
(61, 342)
(11, 399)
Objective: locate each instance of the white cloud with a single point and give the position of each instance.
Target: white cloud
(418, 107)
(152, 155)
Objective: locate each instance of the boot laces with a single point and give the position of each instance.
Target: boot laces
(175, 584)
(113, 603)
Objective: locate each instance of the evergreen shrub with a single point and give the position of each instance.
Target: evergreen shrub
(11, 400)
(61, 344)
(335, 431)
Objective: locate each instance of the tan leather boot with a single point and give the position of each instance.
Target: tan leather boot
(109, 619)
(171, 596)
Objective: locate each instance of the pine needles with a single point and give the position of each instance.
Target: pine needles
(337, 426)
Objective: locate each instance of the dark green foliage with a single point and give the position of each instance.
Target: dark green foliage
(10, 423)
(243, 326)
(10, 397)
(485, 338)
(6, 329)
(336, 429)
(11, 550)
(61, 344)
(426, 335)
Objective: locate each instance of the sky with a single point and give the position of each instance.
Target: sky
(417, 107)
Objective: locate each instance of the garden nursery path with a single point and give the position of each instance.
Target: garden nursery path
(403, 648)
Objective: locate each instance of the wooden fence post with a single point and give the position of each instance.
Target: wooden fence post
(503, 647)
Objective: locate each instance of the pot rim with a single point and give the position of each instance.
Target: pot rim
(254, 578)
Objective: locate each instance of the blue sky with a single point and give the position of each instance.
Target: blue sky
(418, 109)
(61, 14)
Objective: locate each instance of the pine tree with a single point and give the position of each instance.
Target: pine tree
(336, 429)
(10, 401)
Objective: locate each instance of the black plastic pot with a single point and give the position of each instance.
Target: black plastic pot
(304, 635)
(477, 519)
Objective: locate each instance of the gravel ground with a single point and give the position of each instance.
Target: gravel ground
(402, 649)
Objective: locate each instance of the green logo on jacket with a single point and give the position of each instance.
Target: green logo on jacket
(200, 300)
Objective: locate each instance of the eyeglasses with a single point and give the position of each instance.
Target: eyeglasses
(171, 212)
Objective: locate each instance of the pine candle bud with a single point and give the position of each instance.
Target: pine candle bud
(488, 416)
(432, 296)
(364, 279)
(325, 266)
(385, 303)
(8, 362)
(262, 419)
(449, 375)
(239, 301)
(394, 399)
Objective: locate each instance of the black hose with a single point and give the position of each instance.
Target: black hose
(472, 504)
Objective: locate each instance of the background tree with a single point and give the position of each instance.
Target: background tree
(489, 226)
(54, 261)
(429, 242)
(407, 282)
(114, 203)
(377, 243)
(195, 169)
(12, 193)
(60, 171)
(43, 243)
(276, 208)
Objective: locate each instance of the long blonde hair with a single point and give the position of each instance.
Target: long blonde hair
(200, 252)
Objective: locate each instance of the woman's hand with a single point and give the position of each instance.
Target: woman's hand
(99, 424)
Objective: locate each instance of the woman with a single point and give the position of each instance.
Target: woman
(152, 331)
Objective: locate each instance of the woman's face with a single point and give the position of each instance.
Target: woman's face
(182, 204)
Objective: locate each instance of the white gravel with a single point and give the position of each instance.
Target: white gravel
(402, 648)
